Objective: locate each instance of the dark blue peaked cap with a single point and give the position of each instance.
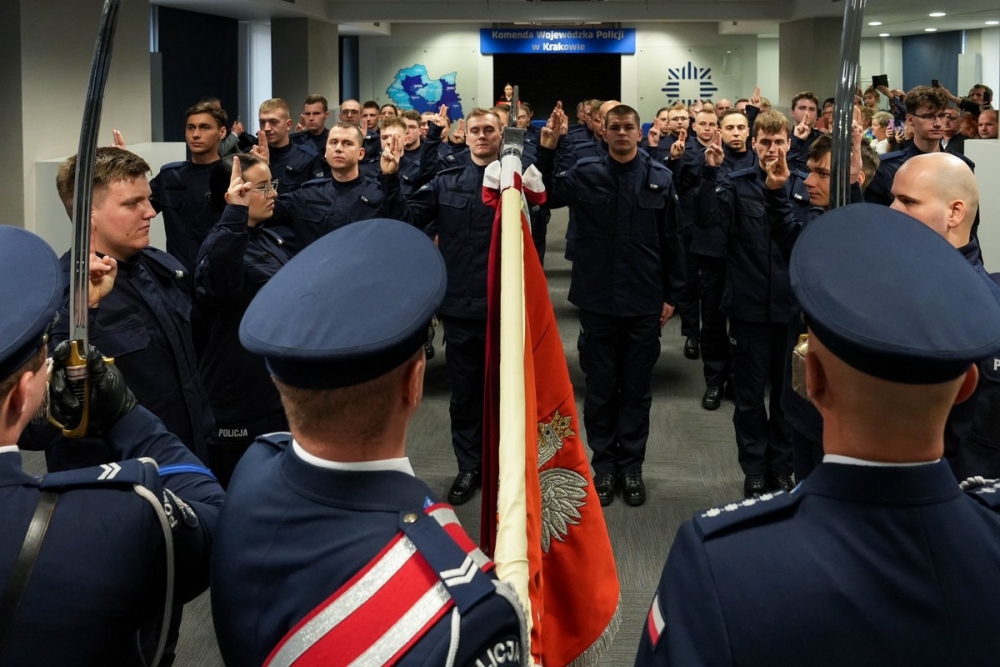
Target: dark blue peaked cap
(891, 298)
(30, 295)
(350, 307)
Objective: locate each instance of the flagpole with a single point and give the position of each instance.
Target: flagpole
(843, 121)
(511, 555)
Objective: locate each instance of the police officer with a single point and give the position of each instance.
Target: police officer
(291, 164)
(625, 280)
(328, 545)
(315, 113)
(145, 322)
(236, 260)
(757, 300)
(87, 554)
(180, 190)
(881, 526)
(708, 249)
(325, 204)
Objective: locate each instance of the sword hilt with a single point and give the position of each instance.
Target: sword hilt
(79, 383)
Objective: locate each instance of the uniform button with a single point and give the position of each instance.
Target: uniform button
(410, 518)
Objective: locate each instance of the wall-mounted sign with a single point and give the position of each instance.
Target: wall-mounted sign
(689, 83)
(544, 40)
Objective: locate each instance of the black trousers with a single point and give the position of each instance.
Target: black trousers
(762, 435)
(618, 355)
(689, 297)
(714, 339)
(465, 358)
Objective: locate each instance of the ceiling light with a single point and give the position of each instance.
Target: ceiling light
(936, 15)
(993, 23)
(930, 29)
(883, 34)
(874, 23)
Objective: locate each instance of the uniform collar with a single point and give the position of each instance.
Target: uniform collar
(894, 485)
(11, 473)
(399, 465)
(9, 449)
(971, 251)
(852, 461)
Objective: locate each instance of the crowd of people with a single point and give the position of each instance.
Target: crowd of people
(273, 356)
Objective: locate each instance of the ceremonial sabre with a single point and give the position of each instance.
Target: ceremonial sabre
(79, 286)
(843, 118)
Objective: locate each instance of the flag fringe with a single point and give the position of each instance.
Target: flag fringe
(592, 656)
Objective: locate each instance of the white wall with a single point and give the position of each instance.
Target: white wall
(986, 154)
(990, 43)
(767, 68)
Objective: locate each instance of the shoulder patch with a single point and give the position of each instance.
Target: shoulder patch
(718, 519)
(178, 511)
(115, 473)
(164, 263)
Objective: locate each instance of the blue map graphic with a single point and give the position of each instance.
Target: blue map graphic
(414, 89)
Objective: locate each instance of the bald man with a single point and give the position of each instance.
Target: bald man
(940, 190)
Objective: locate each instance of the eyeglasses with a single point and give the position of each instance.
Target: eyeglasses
(943, 117)
(266, 189)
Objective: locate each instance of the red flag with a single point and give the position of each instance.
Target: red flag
(573, 582)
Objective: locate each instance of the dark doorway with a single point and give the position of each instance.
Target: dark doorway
(200, 59)
(546, 78)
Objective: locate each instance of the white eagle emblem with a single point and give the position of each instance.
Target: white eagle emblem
(563, 491)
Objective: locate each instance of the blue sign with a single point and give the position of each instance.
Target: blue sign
(556, 40)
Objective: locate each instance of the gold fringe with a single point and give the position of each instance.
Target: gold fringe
(592, 656)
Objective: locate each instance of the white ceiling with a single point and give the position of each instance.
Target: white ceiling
(898, 17)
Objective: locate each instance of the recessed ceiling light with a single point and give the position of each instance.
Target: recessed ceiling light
(883, 34)
(874, 23)
(993, 23)
(936, 15)
(930, 29)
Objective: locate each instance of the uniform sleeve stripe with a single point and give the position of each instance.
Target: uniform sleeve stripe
(654, 623)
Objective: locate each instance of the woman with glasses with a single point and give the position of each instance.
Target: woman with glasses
(236, 260)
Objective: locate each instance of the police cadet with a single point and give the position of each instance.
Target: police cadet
(805, 113)
(291, 164)
(87, 555)
(757, 300)
(453, 200)
(626, 275)
(180, 190)
(315, 113)
(145, 322)
(879, 557)
(325, 204)
(328, 545)
(236, 260)
(939, 190)
(708, 248)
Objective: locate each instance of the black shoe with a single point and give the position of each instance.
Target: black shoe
(604, 484)
(778, 482)
(633, 489)
(429, 350)
(754, 485)
(712, 398)
(691, 347)
(464, 487)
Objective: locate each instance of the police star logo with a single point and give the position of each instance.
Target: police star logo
(551, 435)
(689, 84)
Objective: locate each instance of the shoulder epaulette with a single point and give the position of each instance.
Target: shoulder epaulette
(892, 156)
(278, 440)
(801, 174)
(308, 147)
(450, 170)
(173, 165)
(745, 171)
(315, 181)
(986, 491)
(164, 263)
(744, 512)
(127, 473)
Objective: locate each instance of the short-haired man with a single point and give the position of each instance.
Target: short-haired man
(887, 545)
(626, 274)
(940, 191)
(325, 204)
(952, 140)
(328, 545)
(464, 227)
(101, 544)
(180, 190)
(369, 126)
(757, 300)
(805, 113)
(722, 106)
(291, 164)
(927, 112)
(988, 124)
(708, 249)
(145, 322)
(315, 113)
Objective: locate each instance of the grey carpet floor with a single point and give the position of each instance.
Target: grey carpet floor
(690, 465)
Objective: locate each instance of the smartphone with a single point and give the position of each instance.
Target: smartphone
(880, 80)
(892, 125)
(935, 83)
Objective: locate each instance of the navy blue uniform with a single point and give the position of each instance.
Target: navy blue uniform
(708, 251)
(758, 301)
(860, 565)
(292, 534)
(180, 192)
(626, 267)
(235, 261)
(571, 149)
(295, 164)
(99, 577)
(323, 205)
(144, 324)
(317, 141)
